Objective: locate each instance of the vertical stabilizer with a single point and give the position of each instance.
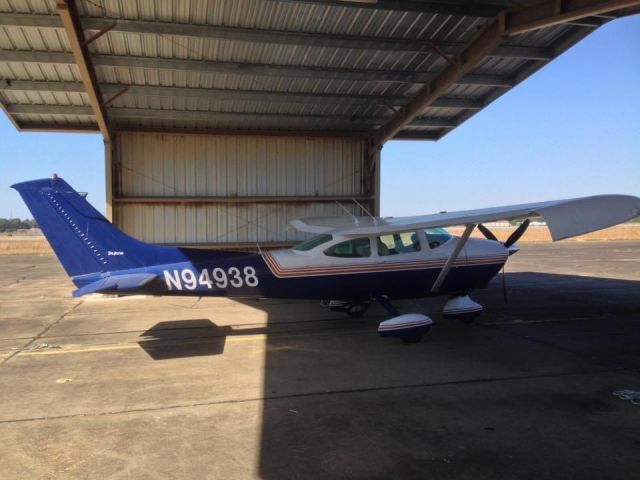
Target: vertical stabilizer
(82, 238)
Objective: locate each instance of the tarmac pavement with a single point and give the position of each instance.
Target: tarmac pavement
(144, 387)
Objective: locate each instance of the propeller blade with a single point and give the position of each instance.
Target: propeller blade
(487, 233)
(518, 232)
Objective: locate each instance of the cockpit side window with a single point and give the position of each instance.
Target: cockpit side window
(356, 248)
(436, 236)
(395, 243)
(312, 243)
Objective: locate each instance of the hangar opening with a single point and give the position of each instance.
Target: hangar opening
(224, 120)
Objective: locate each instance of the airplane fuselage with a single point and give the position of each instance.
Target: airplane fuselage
(267, 275)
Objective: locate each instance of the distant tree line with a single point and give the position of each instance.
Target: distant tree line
(13, 224)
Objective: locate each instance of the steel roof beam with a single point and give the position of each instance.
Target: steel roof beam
(194, 115)
(549, 13)
(235, 68)
(71, 23)
(318, 40)
(241, 95)
(407, 135)
(82, 128)
(126, 129)
(451, 7)
(59, 127)
(45, 109)
(509, 23)
(418, 135)
(92, 128)
(40, 86)
(191, 115)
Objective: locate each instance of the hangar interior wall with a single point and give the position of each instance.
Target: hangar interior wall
(237, 190)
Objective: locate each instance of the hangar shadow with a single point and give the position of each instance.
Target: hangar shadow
(346, 404)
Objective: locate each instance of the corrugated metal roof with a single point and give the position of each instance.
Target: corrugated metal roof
(339, 82)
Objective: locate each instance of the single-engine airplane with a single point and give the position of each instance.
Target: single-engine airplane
(351, 262)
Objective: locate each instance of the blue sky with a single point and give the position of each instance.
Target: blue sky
(571, 129)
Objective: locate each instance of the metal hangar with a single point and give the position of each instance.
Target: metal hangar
(224, 119)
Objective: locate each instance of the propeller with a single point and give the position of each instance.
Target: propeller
(517, 233)
(487, 233)
(513, 238)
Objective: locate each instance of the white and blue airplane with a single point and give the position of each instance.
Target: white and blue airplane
(351, 262)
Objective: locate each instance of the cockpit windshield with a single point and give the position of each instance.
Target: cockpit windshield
(313, 243)
(436, 236)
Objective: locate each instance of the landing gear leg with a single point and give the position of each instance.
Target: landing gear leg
(356, 310)
(353, 309)
(386, 304)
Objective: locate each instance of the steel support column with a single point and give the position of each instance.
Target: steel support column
(71, 23)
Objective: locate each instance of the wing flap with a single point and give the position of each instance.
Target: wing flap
(116, 283)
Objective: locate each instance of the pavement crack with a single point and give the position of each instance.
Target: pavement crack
(351, 391)
(43, 332)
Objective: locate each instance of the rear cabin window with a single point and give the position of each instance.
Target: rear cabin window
(393, 244)
(436, 236)
(356, 248)
(312, 243)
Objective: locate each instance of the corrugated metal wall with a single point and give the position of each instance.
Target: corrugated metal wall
(212, 174)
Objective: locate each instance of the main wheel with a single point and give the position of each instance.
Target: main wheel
(412, 339)
(415, 337)
(357, 309)
(469, 317)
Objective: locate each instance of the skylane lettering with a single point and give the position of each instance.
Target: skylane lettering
(218, 277)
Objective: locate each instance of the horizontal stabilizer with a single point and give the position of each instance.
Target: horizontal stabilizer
(116, 283)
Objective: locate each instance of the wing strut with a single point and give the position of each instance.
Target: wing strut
(452, 258)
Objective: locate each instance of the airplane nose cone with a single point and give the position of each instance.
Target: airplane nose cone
(479, 247)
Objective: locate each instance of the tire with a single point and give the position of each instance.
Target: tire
(357, 310)
(412, 339)
(470, 318)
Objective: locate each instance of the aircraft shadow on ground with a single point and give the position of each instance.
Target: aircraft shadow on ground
(529, 294)
(183, 338)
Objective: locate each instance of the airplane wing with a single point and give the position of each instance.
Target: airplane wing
(116, 283)
(565, 218)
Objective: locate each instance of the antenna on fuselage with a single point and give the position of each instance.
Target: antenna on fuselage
(375, 220)
(355, 219)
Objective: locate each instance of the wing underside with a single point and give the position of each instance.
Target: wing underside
(564, 218)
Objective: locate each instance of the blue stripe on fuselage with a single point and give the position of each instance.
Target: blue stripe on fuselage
(247, 275)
